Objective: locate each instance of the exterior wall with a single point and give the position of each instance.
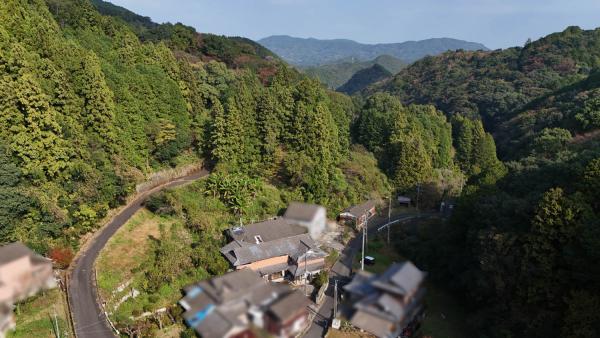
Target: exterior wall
(16, 278)
(264, 263)
(289, 328)
(360, 221)
(317, 225)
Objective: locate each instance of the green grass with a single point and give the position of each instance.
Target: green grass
(35, 316)
(383, 254)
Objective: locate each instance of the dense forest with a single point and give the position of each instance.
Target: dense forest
(95, 102)
(95, 98)
(336, 74)
(522, 246)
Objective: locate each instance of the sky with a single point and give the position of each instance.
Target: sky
(495, 23)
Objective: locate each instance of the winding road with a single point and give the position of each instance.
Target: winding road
(88, 318)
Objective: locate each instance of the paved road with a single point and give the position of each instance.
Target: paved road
(340, 270)
(88, 318)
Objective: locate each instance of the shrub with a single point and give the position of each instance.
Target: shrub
(62, 256)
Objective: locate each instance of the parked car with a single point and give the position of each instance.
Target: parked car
(369, 260)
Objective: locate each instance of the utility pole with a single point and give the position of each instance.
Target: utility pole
(418, 193)
(55, 325)
(308, 250)
(389, 219)
(335, 299)
(362, 261)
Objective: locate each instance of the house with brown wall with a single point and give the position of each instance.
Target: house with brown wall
(276, 249)
(359, 215)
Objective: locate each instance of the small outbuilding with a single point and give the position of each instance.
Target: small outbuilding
(359, 214)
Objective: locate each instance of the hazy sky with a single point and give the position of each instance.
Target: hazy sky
(495, 23)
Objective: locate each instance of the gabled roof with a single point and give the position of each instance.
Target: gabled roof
(361, 209)
(290, 246)
(268, 230)
(361, 283)
(289, 306)
(400, 278)
(302, 211)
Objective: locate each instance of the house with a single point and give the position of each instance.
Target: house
(276, 249)
(387, 305)
(22, 274)
(233, 305)
(359, 214)
(311, 216)
(288, 315)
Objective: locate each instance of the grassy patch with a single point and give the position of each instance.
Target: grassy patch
(35, 316)
(445, 315)
(384, 256)
(121, 261)
(126, 250)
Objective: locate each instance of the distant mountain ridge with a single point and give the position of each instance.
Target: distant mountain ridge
(312, 52)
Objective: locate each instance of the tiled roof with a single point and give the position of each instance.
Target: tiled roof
(289, 306)
(280, 247)
(361, 209)
(268, 230)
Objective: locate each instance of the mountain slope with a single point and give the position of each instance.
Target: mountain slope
(363, 78)
(311, 52)
(526, 241)
(336, 74)
(236, 52)
(496, 85)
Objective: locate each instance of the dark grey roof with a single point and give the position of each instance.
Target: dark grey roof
(298, 269)
(215, 325)
(219, 305)
(279, 247)
(268, 230)
(302, 211)
(361, 283)
(289, 306)
(361, 209)
(400, 278)
(14, 251)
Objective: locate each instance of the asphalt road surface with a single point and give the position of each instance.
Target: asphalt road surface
(88, 318)
(341, 270)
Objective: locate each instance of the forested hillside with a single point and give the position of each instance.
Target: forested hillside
(522, 246)
(90, 107)
(495, 85)
(363, 78)
(338, 73)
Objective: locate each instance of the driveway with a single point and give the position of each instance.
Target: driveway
(88, 319)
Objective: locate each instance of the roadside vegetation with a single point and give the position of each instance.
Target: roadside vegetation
(42, 315)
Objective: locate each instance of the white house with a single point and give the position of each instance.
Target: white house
(311, 216)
